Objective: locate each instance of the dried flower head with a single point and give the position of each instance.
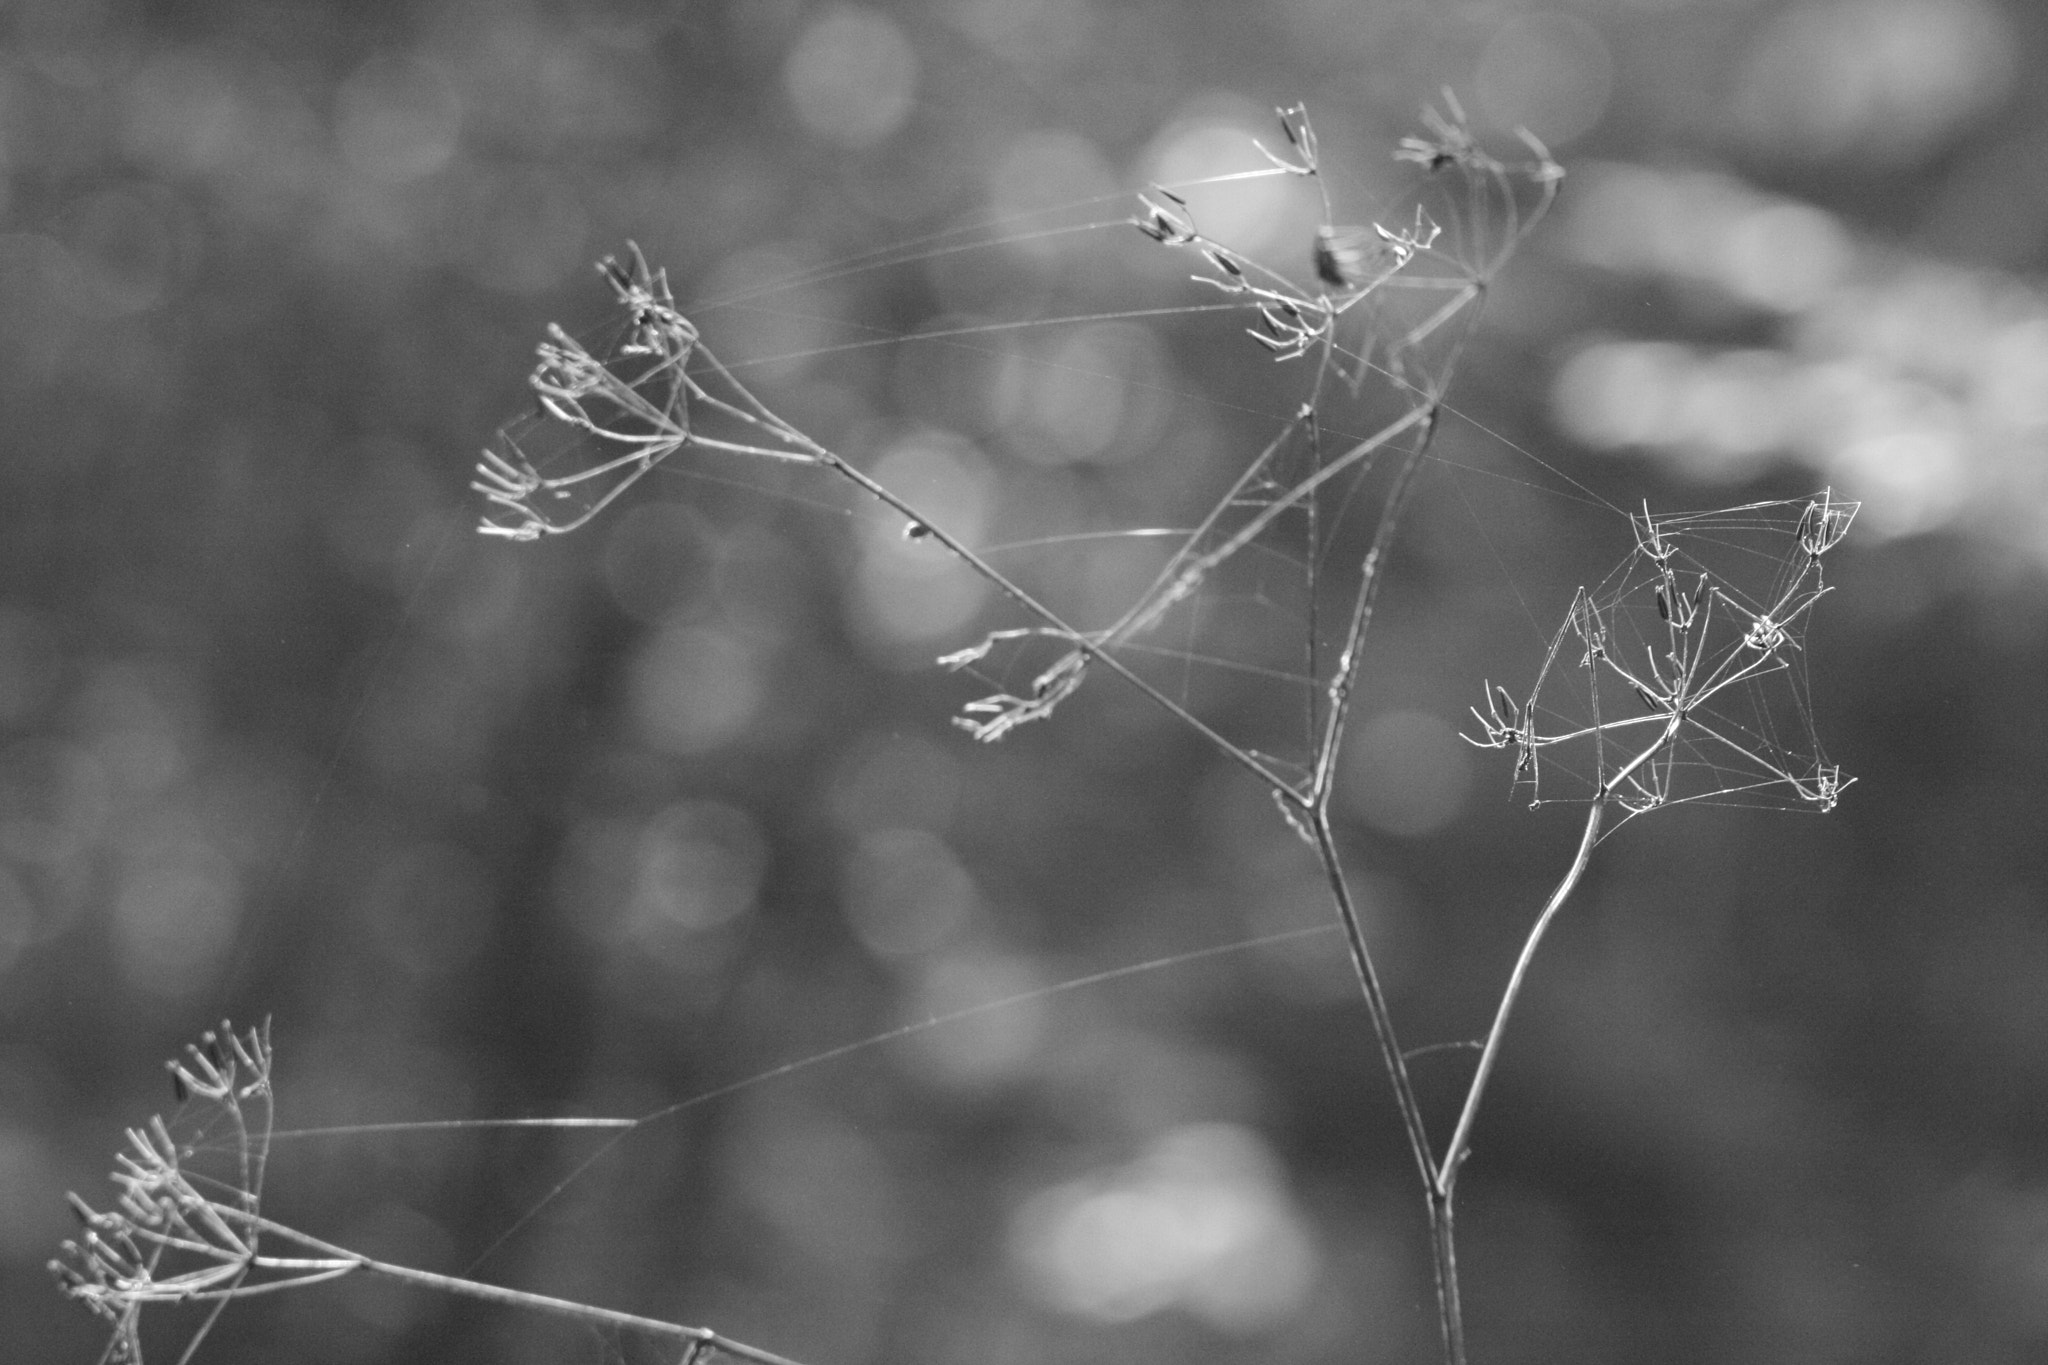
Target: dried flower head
(1689, 683)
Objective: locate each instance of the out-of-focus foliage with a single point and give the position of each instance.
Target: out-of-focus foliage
(600, 825)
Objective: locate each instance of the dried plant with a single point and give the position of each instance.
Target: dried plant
(1678, 679)
(188, 1227)
(1706, 702)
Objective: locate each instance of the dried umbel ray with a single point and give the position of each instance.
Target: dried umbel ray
(188, 1229)
(1681, 676)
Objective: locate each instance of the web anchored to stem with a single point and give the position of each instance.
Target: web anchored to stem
(1696, 641)
(1309, 516)
(1679, 678)
(1306, 516)
(1689, 681)
(188, 1228)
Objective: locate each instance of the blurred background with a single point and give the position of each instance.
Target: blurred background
(603, 824)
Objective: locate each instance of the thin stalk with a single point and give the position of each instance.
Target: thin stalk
(1449, 1316)
(1341, 691)
(1344, 684)
(1441, 1180)
(1454, 1155)
(1095, 649)
(1078, 639)
(1446, 1177)
(518, 1298)
(1443, 1250)
(1375, 994)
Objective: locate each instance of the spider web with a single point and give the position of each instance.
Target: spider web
(1249, 577)
(1261, 606)
(1246, 609)
(1681, 677)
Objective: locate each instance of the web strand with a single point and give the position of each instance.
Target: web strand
(620, 1128)
(1378, 350)
(1309, 514)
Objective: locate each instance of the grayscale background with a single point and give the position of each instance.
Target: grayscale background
(603, 824)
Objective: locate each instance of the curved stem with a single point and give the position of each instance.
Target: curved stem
(1454, 1155)
(1446, 1175)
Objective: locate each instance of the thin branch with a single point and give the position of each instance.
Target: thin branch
(1445, 1176)
(519, 1298)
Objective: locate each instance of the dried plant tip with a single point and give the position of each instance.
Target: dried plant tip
(1007, 712)
(626, 279)
(1765, 635)
(1301, 136)
(1223, 263)
(1287, 127)
(1828, 785)
(1289, 333)
(1165, 225)
(1546, 171)
(1649, 537)
(1824, 522)
(1501, 722)
(1684, 607)
(960, 658)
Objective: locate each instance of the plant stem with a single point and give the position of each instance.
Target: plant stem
(1444, 1256)
(1446, 1177)
(1441, 1181)
(1438, 1202)
(1454, 1155)
(1092, 648)
(698, 1337)
(1079, 640)
(1375, 995)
